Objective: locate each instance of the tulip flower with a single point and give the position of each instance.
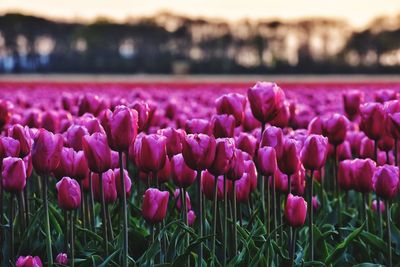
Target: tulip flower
(91, 123)
(372, 120)
(386, 181)
(232, 104)
(354, 138)
(345, 175)
(282, 118)
(344, 151)
(273, 137)
(266, 99)
(362, 173)
(109, 186)
(97, 152)
(351, 102)
(144, 115)
(247, 143)
(73, 136)
(174, 140)
(181, 174)
(13, 174)
(224, 155)
(9, 147)
(5, 113)
(28, 261)
(21, 134)
(223, 125)
(90, 103)
(251, 170)
(249, 122)
(266, 161)
(242, 187)
(384, 95)
(62, 259)
(295, 214)
(122, 129)
(298, 181)
(314, 152)
(72, 164)
(150, 152)
(69, 194)
(208, 183)
(335, 128)
(316, 126)
(289, 163)
(155, 204)
(128, 183)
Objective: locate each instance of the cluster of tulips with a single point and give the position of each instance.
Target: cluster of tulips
(145, 183)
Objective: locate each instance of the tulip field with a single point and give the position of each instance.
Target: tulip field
(199, 174)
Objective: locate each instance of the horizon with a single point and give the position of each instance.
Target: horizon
(87, 11)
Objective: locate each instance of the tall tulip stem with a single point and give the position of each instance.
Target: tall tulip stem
(21, 211)
(103, 214)
(234, 218)
(72, 237)
(337, 187)
(310, 215)
(91, 202)
(365, 203)
(225, 221)
(396, 151)
(82, 211)
(66, 235)
(45, 180)
(215, 199)
(11, 225)
(389, 233)
(124, 213)
(201, 215)
(268, 211)
(292, 251)
(378, 207)
(264, 213)
(273, 196)
(185, 217)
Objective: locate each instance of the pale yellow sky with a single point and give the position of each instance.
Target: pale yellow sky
(357, 12)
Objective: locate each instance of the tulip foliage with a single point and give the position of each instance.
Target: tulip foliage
(263, 176)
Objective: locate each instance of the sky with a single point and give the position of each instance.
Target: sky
(356, 12)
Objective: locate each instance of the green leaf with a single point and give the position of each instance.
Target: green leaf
(339, 249)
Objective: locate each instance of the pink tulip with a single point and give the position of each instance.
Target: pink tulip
(199, 151)
(232, 104)
(295, 210)
(13, 174)
(109, 186)
(97, 152)
(314, 152)
(62, 259)
(181, 174)
(46, 151)
(386, 181)
(69, 194)
(178, 200)
(150, 152)
(155, 204)
(28, 261)
(128, 182)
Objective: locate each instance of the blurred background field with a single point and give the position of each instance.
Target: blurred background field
(187, 37)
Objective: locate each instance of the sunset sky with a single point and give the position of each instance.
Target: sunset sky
(357, 12)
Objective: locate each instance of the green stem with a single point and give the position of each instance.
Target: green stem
(103, 214)
(26, 201)
(47, 221)
(273, 196)
(311, 215)
(65, 214)
(185, 217)
(125, 254)
(225, 221)
(91, 202)
(82, 212)
(293, 248)
(378, 202)
(21, 211)
(389, 232)
(268, 211)
(72, 240)
(264, 214)
(11, 224)
(109, 224)
(201, 224)
(215, 214)
(365, 203)
(234, 218)
(335, 168)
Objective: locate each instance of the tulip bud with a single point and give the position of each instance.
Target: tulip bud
(224, 154)
(394, 124)
(386, 181)
(51, 121)
(314, 152)
(372, 120)
(289, 162)
(144, 115)
(97, 152)
(249, 122)
(344, 151)
(13, 174)
(298, 181)
(362, 173)
(266, 161)
(90, 103)
(367, 148)
(109, 186)
(281, 182)
(242, 186)
(351, 102)
(28, 261)
(295, 210)
(354, 138)
(282, 118)
(46, 151)
(181, 174)
(123, 127)
(62, 259)
(21, 134)
(199, 151)
(178, 199)
(266, 99)
(315, 126)
(150, 152)
(174, 140)
(384, 95)
(191, 217)
(164, 175)
(250, 169)
(335, 128)
(9, 147)
(73, 136)
(155, 204)
(223, 125)
(315, 203)
(69, 194)
(232, 104)
(91, 123)
(118, 184)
